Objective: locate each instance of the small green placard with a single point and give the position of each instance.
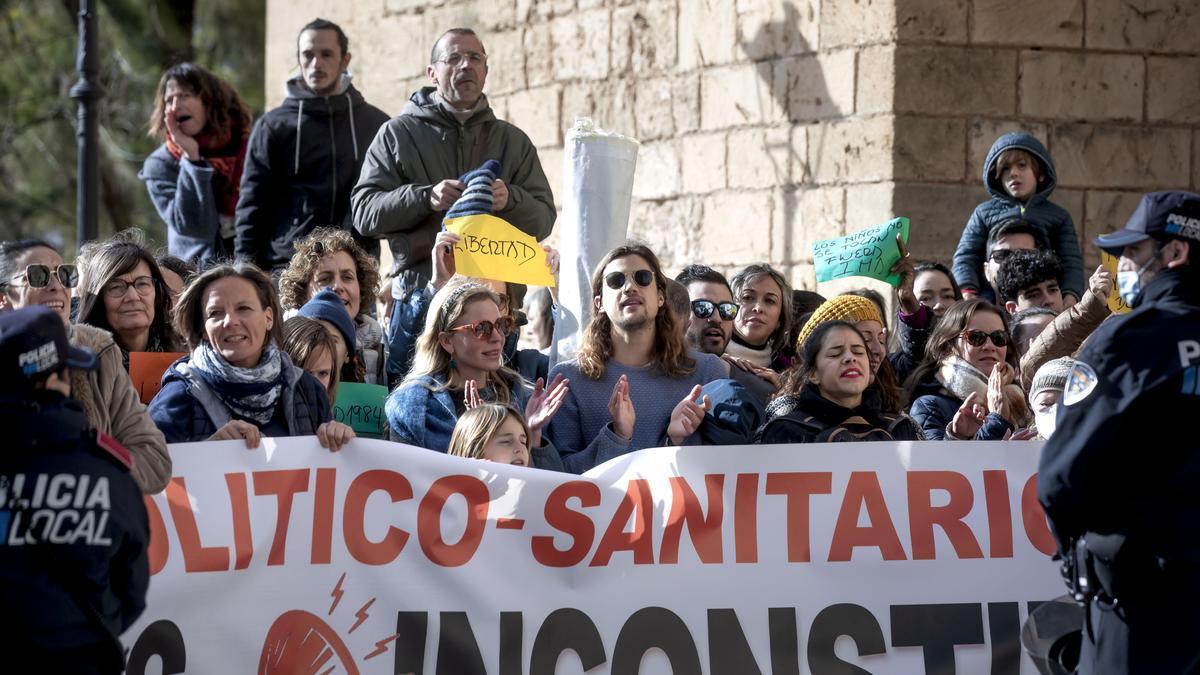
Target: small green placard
(360, 406)
(867, 253)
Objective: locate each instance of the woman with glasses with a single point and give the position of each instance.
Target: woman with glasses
(833, 401)
(32, 272)
(125, 294)
(968, 386)
(458, 363)
(238, 383)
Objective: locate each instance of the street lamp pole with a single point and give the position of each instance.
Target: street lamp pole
(87, 92)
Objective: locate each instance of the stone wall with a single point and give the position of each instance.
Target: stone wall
(768, 124)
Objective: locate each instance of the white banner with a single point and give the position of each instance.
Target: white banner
(382, 558)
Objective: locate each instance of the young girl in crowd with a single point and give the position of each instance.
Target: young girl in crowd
(194, 176)
(967, 386)
(311, 347)
(459, 357)
(833, 401)
(494, 432)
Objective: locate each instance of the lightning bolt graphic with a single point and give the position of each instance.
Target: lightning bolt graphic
(337, 594)
(361, 614)
(381, 646)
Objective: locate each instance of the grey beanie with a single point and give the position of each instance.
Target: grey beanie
(1052, 375)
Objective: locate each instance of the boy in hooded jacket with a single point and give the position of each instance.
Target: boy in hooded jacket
(1020, 176)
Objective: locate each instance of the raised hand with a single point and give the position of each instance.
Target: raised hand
(968, 419)
(543, 403)
(471, 395)
(443, 257)
(620, 406)
(687, 416)
(997, 403)
(908, 276)
(1101, 283)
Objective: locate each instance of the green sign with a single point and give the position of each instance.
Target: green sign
(360, 407)
(868, 253)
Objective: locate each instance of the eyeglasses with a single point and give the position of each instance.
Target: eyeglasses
(999, 255)
(483, 329)
(117, 288)
(704, 309)
(976, 338)
(615, 280)
(455, 59)
(38, 276)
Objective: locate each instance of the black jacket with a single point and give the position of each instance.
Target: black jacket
(302, 163)
(74, 531)
(812, 418)
(1122, 470)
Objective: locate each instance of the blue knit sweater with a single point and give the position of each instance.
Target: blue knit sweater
(582, 428)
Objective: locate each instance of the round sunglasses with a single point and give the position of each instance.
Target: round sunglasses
(38, 276)
(704, 309)
(976, 338)
(483, 329)
(616, 280)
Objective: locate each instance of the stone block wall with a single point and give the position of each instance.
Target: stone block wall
(769, 124)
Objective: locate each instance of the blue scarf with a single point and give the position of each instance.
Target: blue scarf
(249, 393)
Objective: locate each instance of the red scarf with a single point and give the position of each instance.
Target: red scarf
(227, 157)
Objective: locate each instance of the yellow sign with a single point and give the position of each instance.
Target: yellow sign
(1115, 304)
(490, 248)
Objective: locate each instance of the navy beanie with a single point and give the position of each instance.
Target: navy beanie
(477, 196)
(327, 306)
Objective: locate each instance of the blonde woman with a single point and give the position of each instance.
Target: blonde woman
(492, 432)
(459, 358)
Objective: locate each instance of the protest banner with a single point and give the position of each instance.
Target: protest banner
(146, 370)
(360, 406)
(867, 253)
(491, 248)
(1116, 304)
(386, 558)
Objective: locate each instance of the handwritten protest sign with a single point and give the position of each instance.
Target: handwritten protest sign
(360, 406)
(146, 370)
(1115, 304)
(492, 249)
(866, 253)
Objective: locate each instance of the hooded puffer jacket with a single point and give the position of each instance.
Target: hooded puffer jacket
(1039, 211)
(303, 160)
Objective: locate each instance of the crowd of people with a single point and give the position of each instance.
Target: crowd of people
(271, 288)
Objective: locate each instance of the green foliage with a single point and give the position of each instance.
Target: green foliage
(138, 40)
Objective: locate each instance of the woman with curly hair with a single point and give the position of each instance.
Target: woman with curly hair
(330, 258)
(194, 176)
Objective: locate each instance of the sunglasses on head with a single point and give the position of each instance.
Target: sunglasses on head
(704, 309)
(38, 276)
(483, 329)
(976, 338)
(616, 280)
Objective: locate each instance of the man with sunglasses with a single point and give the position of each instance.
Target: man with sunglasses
(710, 325)
(1124, 510)
(411, 174)
(1012, 235)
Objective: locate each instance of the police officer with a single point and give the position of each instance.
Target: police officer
(1120, 479)
(73, 528)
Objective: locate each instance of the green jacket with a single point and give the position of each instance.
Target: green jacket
(426, 145)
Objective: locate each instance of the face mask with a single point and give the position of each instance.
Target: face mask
(1046, 421)
(1129, 282)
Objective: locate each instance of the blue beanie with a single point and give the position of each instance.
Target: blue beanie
(327, 306)
(477, 197)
